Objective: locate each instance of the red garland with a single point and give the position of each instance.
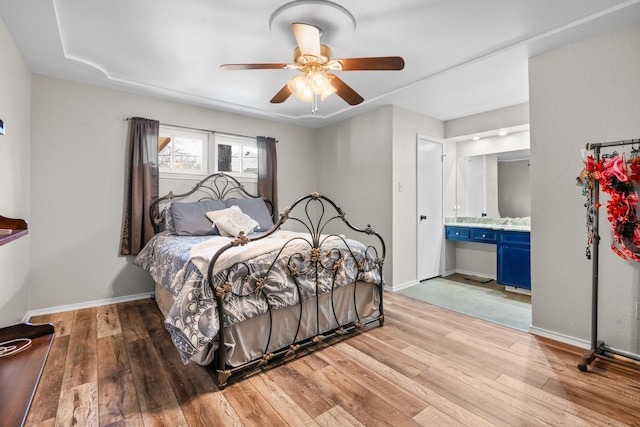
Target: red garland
(622, 207)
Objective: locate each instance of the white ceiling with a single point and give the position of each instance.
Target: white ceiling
(462, 56)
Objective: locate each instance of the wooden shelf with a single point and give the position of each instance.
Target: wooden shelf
(17, 228)
(20, 372)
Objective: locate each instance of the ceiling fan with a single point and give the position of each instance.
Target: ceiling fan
(317, 80)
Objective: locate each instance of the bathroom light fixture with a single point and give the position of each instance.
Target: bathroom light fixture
(476, 138)
(502, 132)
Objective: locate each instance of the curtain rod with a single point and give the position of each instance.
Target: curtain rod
(202, 130)
(612, 143)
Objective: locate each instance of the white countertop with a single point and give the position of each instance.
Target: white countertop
(509, 224)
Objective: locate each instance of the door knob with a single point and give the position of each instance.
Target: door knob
(423, 217)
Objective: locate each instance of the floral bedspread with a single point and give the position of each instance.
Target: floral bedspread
(281, 267)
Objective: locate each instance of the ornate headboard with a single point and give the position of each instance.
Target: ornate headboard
(217, 186)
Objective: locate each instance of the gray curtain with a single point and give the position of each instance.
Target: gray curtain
(268, 172)
(143, 184)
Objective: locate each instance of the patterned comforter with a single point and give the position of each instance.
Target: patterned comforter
(280, 266)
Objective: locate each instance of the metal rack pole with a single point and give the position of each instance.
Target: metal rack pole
(587, 358)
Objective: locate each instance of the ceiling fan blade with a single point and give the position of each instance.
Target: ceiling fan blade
(377, 63)
(233, 67)
(345, 91)
(282, 95)
(308, 38)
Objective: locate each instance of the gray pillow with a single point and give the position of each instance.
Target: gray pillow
(256, 209)
(190, 219)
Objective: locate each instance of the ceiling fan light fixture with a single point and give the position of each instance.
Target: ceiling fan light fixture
(318, 82)
(310, 85)
(299, 86)
(314, 60)
(330, 91)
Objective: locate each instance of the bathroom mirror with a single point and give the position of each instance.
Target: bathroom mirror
(494, 185)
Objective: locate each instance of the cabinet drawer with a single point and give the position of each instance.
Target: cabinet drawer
(483, 235)
(457, 233)
(515, 238)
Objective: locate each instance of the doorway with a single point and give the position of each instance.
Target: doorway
(430, 199)
(458, 292)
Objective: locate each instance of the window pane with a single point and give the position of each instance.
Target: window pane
(249, 159)
(187, 154)
(182, 151)
(164, 156)
(235, 157)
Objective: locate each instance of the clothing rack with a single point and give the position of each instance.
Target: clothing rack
(598, 348)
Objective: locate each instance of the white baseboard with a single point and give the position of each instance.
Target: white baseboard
(401, 286)
(580, 343)
(566, 339)
(97, 303)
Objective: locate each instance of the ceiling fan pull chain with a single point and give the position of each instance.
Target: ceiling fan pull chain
(314, 103)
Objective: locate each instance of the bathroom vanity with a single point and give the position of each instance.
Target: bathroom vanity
(511, 238)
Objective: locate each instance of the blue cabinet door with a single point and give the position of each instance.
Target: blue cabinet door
(514, 259)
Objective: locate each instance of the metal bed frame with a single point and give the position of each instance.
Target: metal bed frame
(319, 217)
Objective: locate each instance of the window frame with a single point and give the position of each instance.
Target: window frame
(176, 131)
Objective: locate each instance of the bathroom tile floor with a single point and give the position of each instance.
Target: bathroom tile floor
(488, 301)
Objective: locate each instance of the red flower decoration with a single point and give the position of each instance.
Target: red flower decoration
(622, 206)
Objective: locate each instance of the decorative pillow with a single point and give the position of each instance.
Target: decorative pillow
(215, 215)
(189, 218)
(256, 209)
(233, 222)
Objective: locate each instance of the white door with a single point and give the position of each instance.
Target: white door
(430, 155)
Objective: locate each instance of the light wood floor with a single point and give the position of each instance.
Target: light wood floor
(115, 365)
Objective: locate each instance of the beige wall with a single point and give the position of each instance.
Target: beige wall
(365, 159)
(15, 91)
(586, 92)
(355, 171)
(515, 115)
(78, 149)
(407, 125)
(78, 156)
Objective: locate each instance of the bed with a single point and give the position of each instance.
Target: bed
(242, 287)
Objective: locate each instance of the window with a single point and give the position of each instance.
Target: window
(236, 154)
(183, 151)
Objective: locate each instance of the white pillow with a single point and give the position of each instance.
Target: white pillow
(233, 221)
(214, 215)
